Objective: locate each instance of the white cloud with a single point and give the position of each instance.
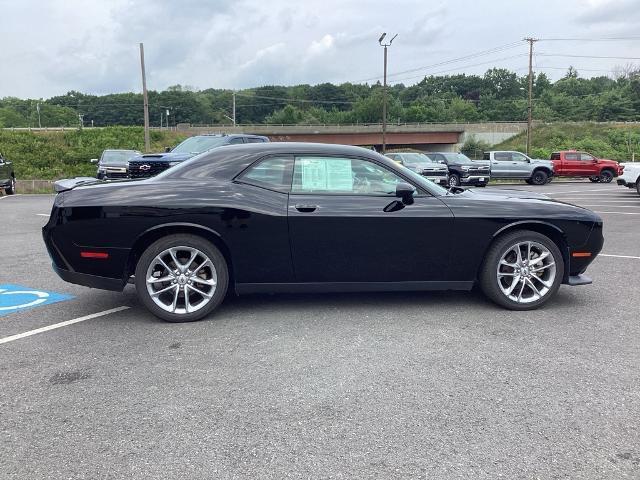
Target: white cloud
(92, 46)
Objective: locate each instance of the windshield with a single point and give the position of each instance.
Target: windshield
(117, 156)
(197, 145)
(415, 159)
(457, 158)
(428, 185)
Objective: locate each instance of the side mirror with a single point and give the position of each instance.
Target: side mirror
(405, 192)
(167, 149)
(94, 160)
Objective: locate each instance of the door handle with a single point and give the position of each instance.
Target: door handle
(306, 208)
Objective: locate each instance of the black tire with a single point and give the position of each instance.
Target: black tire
(11, 189)
(638, 186)
(489, 272)
(528, 180)
(539, 177)
(606, 176)
(594, 179)
(454, 180)
(184, 240)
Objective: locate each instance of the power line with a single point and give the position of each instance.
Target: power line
(520, 55)
(603, 39)
(497, 49)
(586, 56)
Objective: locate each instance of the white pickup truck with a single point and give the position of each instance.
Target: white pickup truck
(630, 176)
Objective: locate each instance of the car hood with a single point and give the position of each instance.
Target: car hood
(163, 157)
(122, 164)
(474, 163)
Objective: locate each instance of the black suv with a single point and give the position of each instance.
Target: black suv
(148, 165)
(7, 176)
(463, 170)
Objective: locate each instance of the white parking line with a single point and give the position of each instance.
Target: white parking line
(609, 206)
(579, 191)
(9, 196)
(61, 324)
(43, 215)
(618, 256)
(619, 213)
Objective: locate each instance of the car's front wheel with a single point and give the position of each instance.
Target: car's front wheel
(181, 278)
(606, 176)
(638, 186)
(539, 177)
(11, 189)
(454, 180)
(522, 270)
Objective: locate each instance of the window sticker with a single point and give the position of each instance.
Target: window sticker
(326, 174)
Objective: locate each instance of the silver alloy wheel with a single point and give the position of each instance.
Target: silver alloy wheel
(526, 272)
(181, 280)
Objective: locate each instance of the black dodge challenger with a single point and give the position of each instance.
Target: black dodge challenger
(303, 217)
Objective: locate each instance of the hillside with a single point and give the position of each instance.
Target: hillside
(54, 155)
(614, 141)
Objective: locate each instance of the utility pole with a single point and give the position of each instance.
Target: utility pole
(384, 91)
(145, 100)
(38, 109)
(233, 109)
(530, 106)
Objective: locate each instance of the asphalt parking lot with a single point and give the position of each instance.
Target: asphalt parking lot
(404, 385)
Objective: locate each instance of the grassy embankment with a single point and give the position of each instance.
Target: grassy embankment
(55, 155)
(614, 141)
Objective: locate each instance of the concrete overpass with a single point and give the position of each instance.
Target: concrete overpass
(421, 136)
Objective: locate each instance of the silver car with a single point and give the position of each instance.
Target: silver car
(422, 164)
(512, 165)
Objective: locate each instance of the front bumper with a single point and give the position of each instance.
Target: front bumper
(438, 180)
(475, 180)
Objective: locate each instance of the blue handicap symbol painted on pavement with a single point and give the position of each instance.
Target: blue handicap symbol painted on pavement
(14, 298)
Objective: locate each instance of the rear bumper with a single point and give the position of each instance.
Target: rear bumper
(92, 281)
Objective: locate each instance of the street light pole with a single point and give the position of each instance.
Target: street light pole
(530, 106)
(384, 91)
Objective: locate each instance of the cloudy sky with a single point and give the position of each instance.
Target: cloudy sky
(51, 47)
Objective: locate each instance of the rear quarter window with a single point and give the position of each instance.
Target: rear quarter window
(555, 156)
(272, 173)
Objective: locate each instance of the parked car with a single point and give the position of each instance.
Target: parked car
(516, 165)
(423, 165)
(7, 176)
(114, 164)
(571, 163)
(312, 217)
(148, 165)
(463, 170)
(630, 176)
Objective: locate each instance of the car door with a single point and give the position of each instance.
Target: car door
(572, 164)
(500, 165)
(4, 171)
(340, 232)
(520, 167)
(587, 164)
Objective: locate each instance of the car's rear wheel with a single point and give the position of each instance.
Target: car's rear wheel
(522, 270)
(181, 278)
(638, 186)
(539, 177)
(606, 176)
(454, 180)
(11, 189)
(594, 179)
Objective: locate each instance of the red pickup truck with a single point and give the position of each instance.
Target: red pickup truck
(571, 163)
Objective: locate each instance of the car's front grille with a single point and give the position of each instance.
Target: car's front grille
(479, 170)
(116, 175)
(433, 172)
(143, 169)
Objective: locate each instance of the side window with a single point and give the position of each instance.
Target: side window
(555, 156)
(342, 176)
(486, 156)
(585, 157)
(502, 156)
(518, 157)
(235, 141)
(273, 173)
(254, 140)
(571, 156)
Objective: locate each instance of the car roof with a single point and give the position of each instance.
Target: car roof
(230, 135)
(232, 159)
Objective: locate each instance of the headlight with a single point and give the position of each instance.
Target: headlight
(171, 164)
(466, 169)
